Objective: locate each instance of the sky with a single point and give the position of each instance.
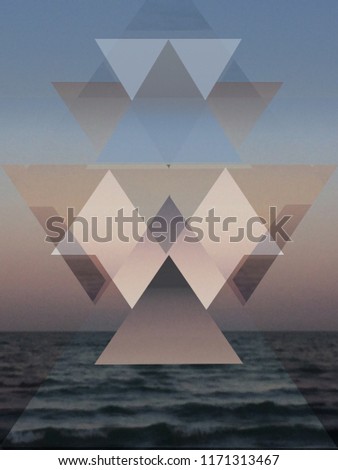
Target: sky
(44, 41)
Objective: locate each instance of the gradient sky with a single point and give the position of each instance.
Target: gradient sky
(44, 41)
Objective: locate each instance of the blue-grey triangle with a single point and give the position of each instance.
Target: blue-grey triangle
(207, 143)
(130, 143)
(233, 73)
(131, 59)
(168, 122)
(104, 73)
(205, 59)
(164, 15)
(168, 78)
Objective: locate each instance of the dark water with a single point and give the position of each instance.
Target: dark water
(68, 402)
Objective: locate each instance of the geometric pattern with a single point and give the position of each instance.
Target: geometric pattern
(133, 59)
(166, 105)
(165, 102)
(239, 105)
(169, 338)
(187, 126)
(97, 107)
(184, 192)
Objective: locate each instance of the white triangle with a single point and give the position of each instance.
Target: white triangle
(196, 265)
(268, 246)
(101, 208)
(227, 199)
(106, 45)
(131, 59)
(205, 59)
(136, 273)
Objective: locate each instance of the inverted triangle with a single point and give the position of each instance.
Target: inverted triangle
(267, 186)
(56, 186)
(130, 143)
(131, 59)
(186, 186)
(205, 59)
(168, 122)
(97, 107)
(238, 105)
(88, 275)
(206, 143)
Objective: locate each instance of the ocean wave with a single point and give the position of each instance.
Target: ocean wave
(163, 435)
(268, 409)
(61, 413)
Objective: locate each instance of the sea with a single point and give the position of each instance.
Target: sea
(284, 395)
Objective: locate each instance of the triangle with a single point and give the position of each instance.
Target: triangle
(267, 90)
(186, 186)
(297, 213)
(34, 349)
(69, 246)
(174, 223)
(42, 214)
(278, 186)
(168, 78)
(168, 122)
(291, 190)
(168, 276)
(298, 347)
(97, 107)
(226, 197)
(138, 270)
(176, 15)
(56, 186)
(168, 330)
(89, 276)
(196, 265)
(233, 73)
(130, 143)
(131, 59)
(238, 106)
(100, 212)
(205, 59)
(207, 143)
(252, 270)
(104, 73)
